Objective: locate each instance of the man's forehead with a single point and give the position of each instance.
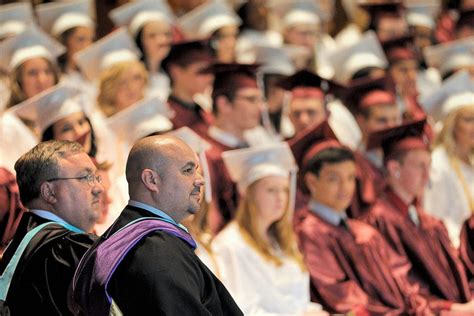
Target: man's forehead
(78, 161)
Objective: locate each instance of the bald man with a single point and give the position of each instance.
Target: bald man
(159, 273)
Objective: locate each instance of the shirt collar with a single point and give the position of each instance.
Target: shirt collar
(157, 212)
(397, 202)
(187, 105)
(224, 137)
(326, 213)
(55, 218)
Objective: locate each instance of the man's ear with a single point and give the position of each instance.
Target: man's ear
(47, 192)
(223, 104)
(393, 168)
(310, 180)
(151, 180)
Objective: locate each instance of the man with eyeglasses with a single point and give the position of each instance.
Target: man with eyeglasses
(58, 186)
(237, 105)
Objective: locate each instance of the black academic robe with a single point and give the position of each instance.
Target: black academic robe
(354, 269)
(41, 281)
(162, 275)
(435, 262)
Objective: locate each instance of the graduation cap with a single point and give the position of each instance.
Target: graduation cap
(456, 92)
(136, 14)
(377, 9)
(448, 57)
(206, 19)
(140, 120)
(58, 17)
(367, 52)
(234, 76)
(274, 60)
(114, 48)
(295, 12)
(310, 141)
(305, 83)
(188, 52)
(401, 48)
(408, 136)
(423, 13)
(368, 92)
(199, 146)
(14, 18)
(31, 43)
(50, 106)
(246, 166)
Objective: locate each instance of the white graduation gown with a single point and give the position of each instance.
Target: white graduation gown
(445, 197)
(258, 286)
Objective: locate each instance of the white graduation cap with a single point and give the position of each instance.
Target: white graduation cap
(423, 13)
(199, 146)
(448, 57)
(58, 17)
(367, 52)
(207, 18)
(245, 166)
(274, 60)
(140, 120)
(135, 14)
(31, 43)
(114, 48)
(295, 12)
(50, 106)
(14, 18)
(456, 92)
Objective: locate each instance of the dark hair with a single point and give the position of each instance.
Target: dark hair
(363, 73)
(328, 156)
(40, 164)
(62, 60)
(139, 42)
(49, 135)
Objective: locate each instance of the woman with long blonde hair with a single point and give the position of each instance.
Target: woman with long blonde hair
(450, 194)
(257, 253)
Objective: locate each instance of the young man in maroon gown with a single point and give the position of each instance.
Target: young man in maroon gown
(237, 105)
(351, 266)
(188, 66)
(412, 233)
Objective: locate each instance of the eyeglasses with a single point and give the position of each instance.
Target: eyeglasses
(90, 178)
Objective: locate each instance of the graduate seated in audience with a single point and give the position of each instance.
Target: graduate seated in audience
(466, 248)
(150, 23)
(257, 253)
(59, 186)
(351, 266)
(114, 62)
(30, 58)
(216, 21)
(387, 18)
(72, 25)
(154, 268)
(188, 66)
(449, 194)
(416, 236)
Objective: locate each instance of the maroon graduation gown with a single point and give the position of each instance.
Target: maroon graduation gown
(224, 190)
(466, 248)
(355, 269)
(190, 115)
(11, 209)
(369, 185)
(435, 262)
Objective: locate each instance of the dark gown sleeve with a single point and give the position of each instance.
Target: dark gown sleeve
(45, 274)
(162, 276)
